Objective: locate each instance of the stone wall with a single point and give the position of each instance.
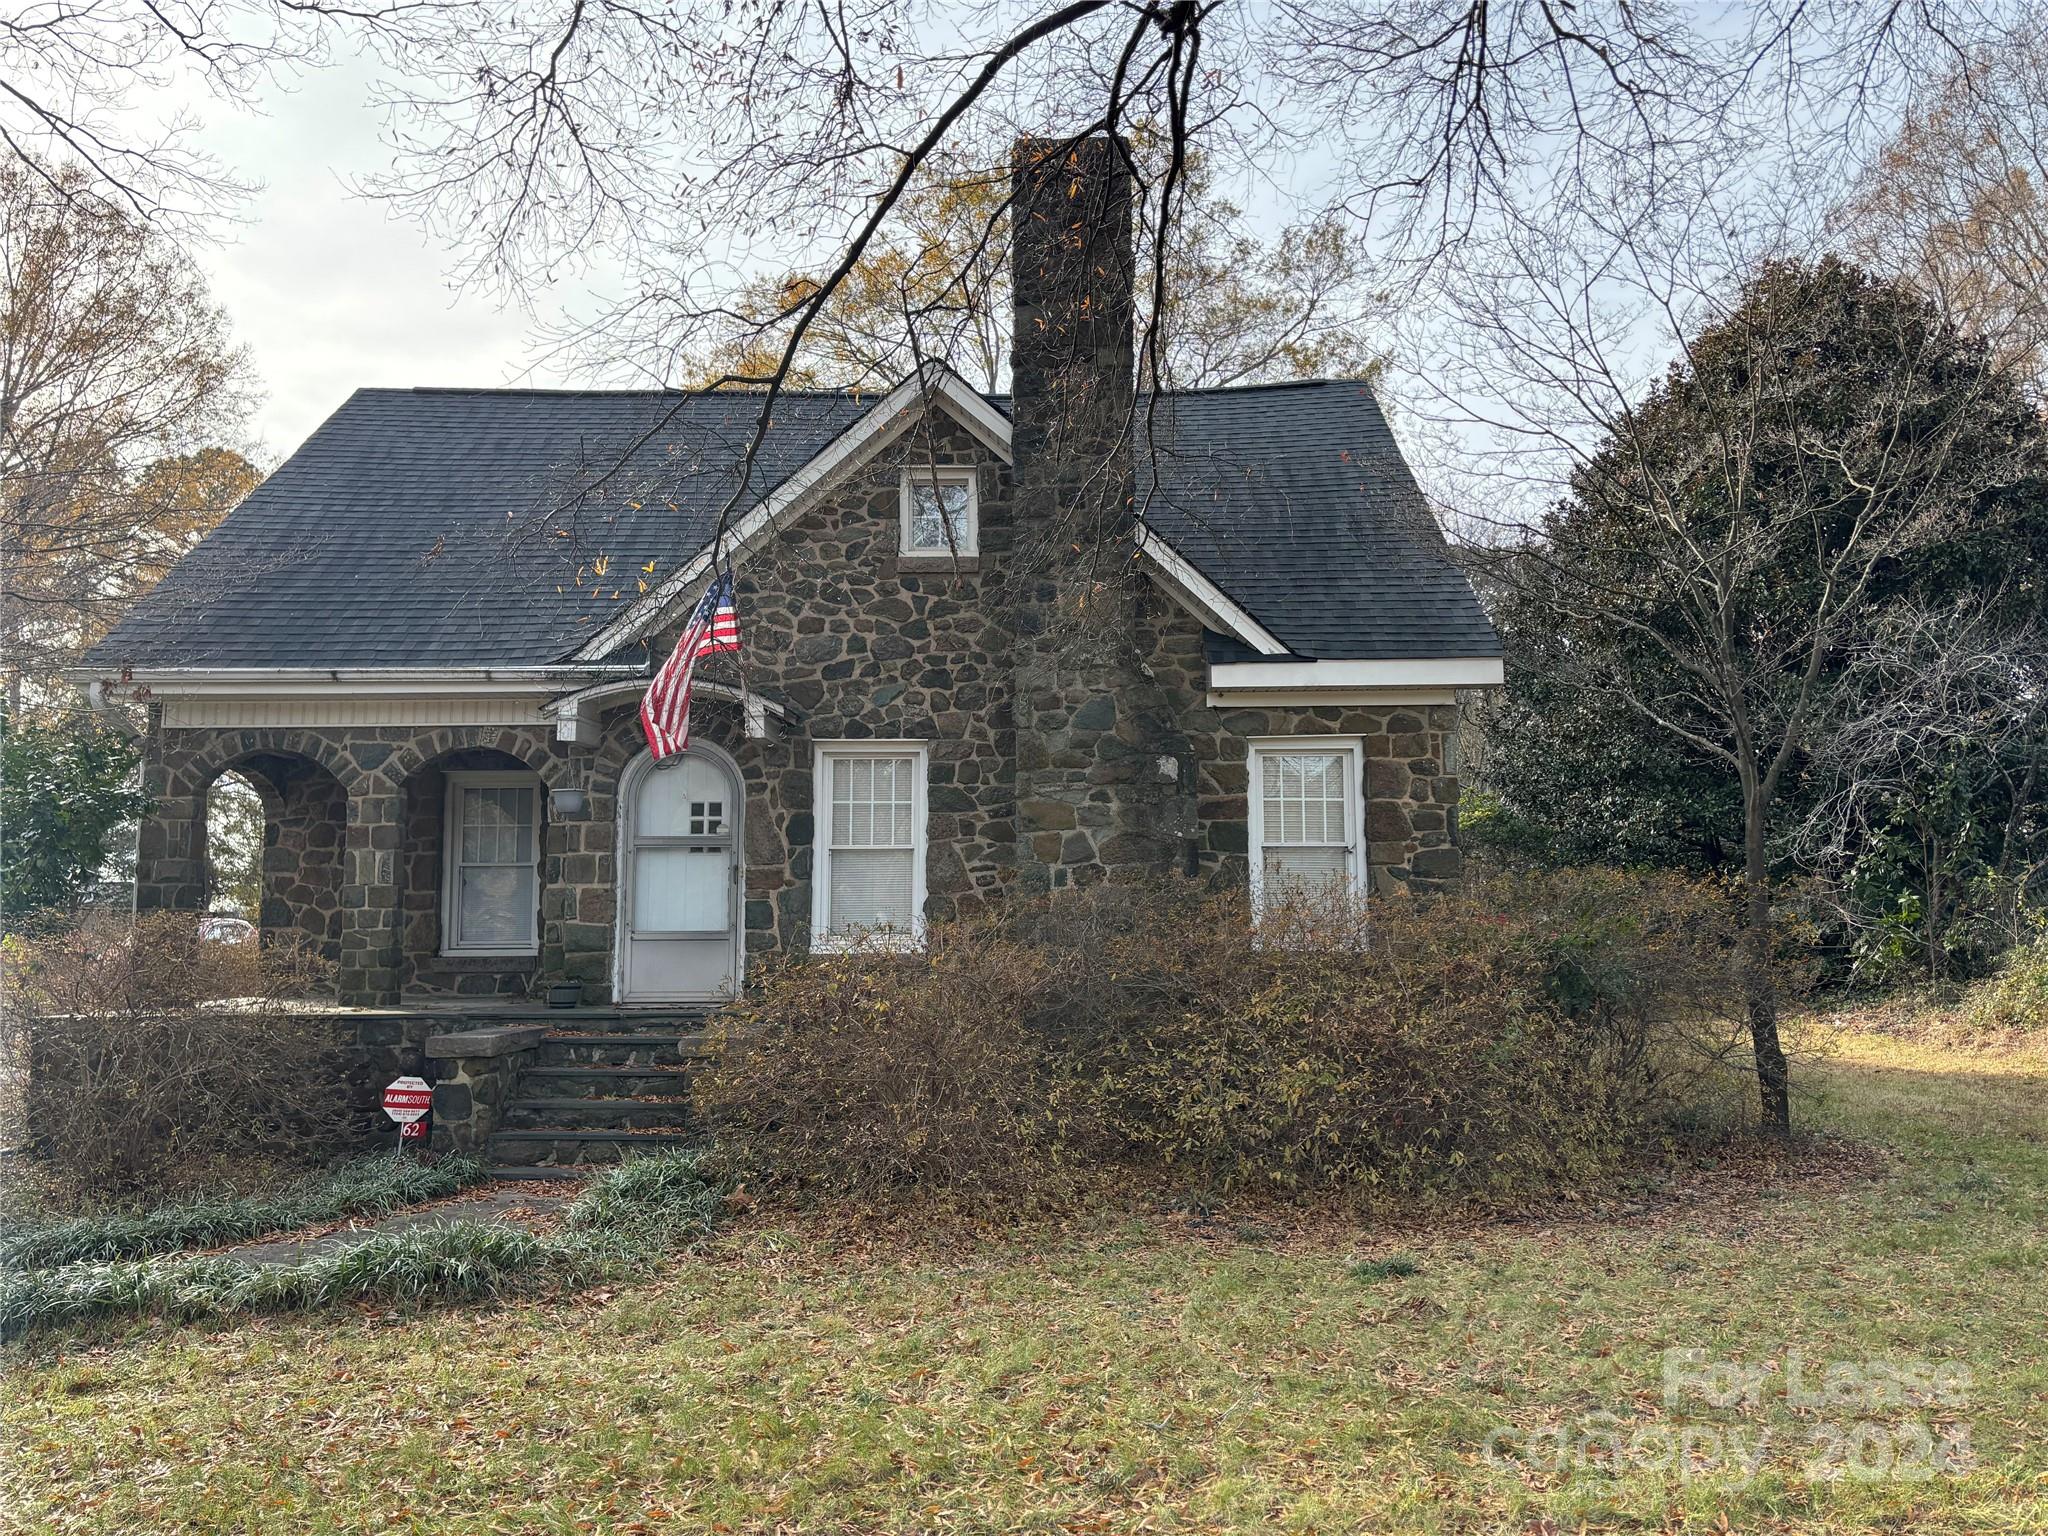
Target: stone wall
(869, 644)
(1411, 784)
(304, 810)
(859, 642)
(374, 1047)
(475, 1074)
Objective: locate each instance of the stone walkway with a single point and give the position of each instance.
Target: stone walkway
(511, 1203)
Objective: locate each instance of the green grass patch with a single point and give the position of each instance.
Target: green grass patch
(1131, 1369)
(1372, 1271)
(367, 1186)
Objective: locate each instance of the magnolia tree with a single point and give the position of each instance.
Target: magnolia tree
(1727, 565)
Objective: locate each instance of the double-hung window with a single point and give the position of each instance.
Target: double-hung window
(491, 842)
(940, 512)
(1307, 843)
(867, 880)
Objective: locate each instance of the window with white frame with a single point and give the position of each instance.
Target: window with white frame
(867, 880)
(940, 512)
(1306, 804)
(491, 842)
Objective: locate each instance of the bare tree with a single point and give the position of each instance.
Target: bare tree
(119, 384)
(1936, 705)
(1747, 524)
(706, 142)
(1958, 200)
(936, 288)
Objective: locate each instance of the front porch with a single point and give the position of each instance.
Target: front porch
(468, 869)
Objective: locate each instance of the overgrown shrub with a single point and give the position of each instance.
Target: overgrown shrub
(870, 1072)
(2016, 998)
(1525, 1041)
(1528, 1037)
(146, 1057)
(364, 1186)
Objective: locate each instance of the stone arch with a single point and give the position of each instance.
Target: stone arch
(194, 770)
(532, 747)
(415, 776)
(305, 821)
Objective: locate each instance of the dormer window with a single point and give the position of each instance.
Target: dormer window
(939, 512)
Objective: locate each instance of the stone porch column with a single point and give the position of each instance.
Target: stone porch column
(170, 851)
(370, 912)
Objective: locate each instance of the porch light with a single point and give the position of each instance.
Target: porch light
(568, 804)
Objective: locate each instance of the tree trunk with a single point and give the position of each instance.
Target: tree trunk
(1934, 900)
(1772, 1076)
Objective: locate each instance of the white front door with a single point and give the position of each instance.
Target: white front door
(679, 875)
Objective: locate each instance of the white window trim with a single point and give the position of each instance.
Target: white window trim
(823, 942)
(943, 475)
(1255, 810)
(451, 848)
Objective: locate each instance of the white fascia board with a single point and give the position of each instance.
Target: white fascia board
(301, 682)
(889, 420)
(1201, 596)
(1231, 678)
(1306, 698)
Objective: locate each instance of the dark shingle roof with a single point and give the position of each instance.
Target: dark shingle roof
(1294, 499)
(428, 527)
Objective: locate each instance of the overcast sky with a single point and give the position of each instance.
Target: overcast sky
(325, 290)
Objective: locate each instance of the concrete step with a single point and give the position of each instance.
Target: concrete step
(557, 1148)
(582, 1114)
(599, 1048)
(590, 1082)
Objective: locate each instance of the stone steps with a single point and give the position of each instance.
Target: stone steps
(576, 1114)
(606, 1085)
(566, 1148)
(596, 1082)
(621, 1048)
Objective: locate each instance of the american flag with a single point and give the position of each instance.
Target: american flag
(714, 627)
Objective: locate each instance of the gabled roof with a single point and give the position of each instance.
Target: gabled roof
(442, 527)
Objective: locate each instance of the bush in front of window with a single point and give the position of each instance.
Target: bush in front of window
(1526, 1038)
(874, 1072)
(1534, 1036)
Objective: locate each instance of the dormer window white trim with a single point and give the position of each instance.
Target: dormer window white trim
(934, 499)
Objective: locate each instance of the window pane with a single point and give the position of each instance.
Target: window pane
(681, 890)
(934, 510)
(497, 824)
(1303, 797)
(495, 907)
(870, 890)
(687, 800)
(872, 802)
(1305, 873)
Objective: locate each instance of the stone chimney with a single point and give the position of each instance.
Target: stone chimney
(1103, 773)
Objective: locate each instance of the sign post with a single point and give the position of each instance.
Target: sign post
(407, 1100)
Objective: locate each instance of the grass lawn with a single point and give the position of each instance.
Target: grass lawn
(1128, 1372)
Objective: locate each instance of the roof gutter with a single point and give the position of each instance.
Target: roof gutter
(178, 682)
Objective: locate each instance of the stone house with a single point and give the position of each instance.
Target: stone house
(993, 644)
